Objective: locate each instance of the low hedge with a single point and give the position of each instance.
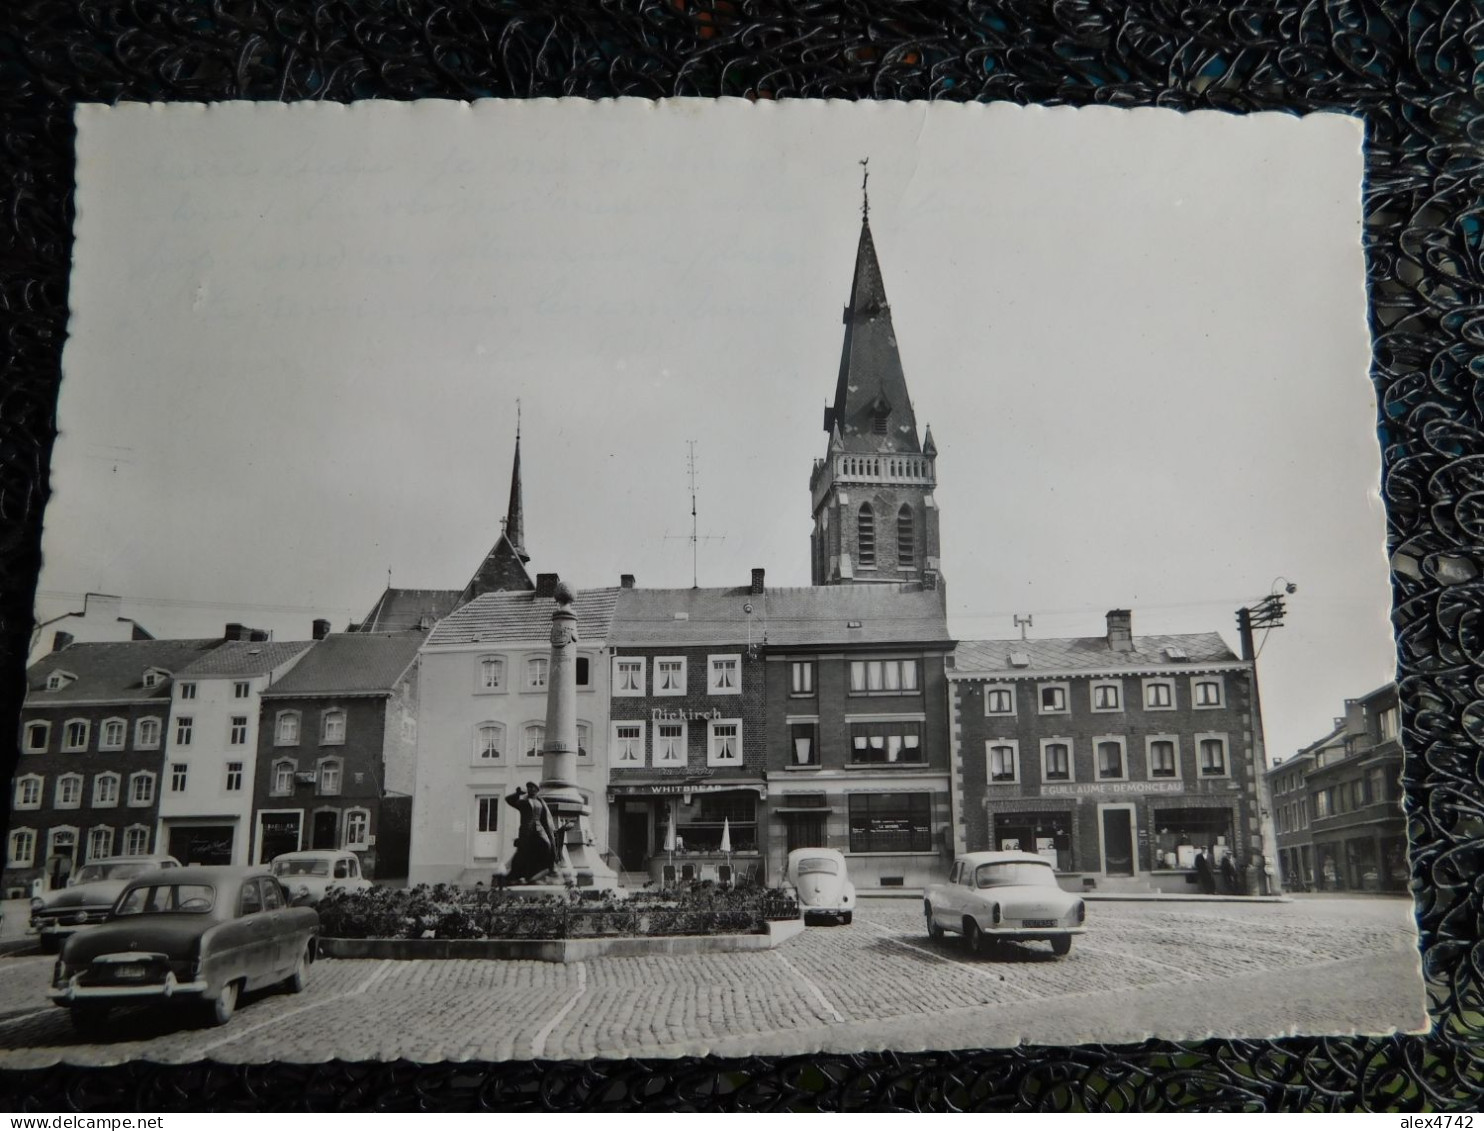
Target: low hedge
(445, 912)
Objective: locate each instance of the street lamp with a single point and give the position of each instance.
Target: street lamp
(1265, 614)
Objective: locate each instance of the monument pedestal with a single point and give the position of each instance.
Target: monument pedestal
(579, 861)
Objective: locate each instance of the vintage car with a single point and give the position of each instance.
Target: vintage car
(817, 878)
(88, 896)
(195, 934)
(309, 875)
(994, 896)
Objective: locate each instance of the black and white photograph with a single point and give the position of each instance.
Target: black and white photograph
(571, 580)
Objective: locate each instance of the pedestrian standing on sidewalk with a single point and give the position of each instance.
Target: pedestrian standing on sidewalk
(1229, 874)
(1204, 874)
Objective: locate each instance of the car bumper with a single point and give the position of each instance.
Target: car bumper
(1030, 932)
(72, 993)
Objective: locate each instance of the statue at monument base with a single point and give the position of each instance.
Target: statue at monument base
(536, 848)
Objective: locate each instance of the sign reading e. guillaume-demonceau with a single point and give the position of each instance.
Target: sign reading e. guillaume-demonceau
(1078, 789)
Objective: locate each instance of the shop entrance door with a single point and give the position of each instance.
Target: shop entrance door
(633, 838)
(1118, 840)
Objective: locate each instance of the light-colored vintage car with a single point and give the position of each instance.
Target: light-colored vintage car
(310, 874)
(88, 896)
(195, 934)
(992, 896)
(818, 879)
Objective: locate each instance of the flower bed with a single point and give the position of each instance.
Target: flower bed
(444, 912)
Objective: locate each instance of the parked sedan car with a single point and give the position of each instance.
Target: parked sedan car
(195, 934)
(309, 875)
(88, 896)
(1004, 895)
(818, 877)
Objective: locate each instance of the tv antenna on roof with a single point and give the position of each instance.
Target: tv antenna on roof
(1024, 622)
(694, 537)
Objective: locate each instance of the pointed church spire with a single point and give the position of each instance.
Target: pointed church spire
(504, 567)
(515, 516)
(928, 447)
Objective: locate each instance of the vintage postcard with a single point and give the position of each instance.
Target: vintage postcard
(563, 580)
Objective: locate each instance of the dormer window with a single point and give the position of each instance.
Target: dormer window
(58, 680)
(153, 677)
(880, 416)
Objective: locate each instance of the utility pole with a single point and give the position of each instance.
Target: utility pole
(1266, 614)
(695, 538)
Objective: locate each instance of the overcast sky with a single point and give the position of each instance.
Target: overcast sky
(299, 335)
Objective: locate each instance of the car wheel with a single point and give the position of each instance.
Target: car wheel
(1061, 945)
(974, 937)
(935, 932)
(294, 983)
(224, 1004)
(87, 1020)
(846, 917)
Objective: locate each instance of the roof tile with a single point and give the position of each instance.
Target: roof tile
(1089, 653)
(351, 664)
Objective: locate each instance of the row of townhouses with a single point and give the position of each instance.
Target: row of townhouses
(840, 714)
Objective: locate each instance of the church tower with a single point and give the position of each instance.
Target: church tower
(504, 567)
(875, 519)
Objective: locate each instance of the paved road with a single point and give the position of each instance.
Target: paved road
(1187, 971)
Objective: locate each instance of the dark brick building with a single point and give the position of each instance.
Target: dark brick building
(1117, 757)
(92, 742)
(686, 743)
(337, 743)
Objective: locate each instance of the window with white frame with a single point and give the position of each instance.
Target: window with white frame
(136, 840)
(153, 677)
(1112, 762)
(142, 788)
(533, 737)
(332, 727)
(185, 727)
(1003, 760)
(241, 689)
(357, 828)
(999, 700)
(58, 680)
(283, 778)
(1212, 759)
(1159, 694)
(178, 774)
(1164, 757)
(628, 744)
(234, 777)
(489, 742)
(724, 742)
(329, 777)
(536, 672)
(801, 677)
(28, 792)
(803, 736)
(237, 732)
(100, 842)
(628, 675)
(1056, 760)
(69, 791)
(22, 850)
(883, 677)
(491, 673)
(37, 736)
(286, 729)
(186, 690)
(75, 734)
(111, 736)
(669, 675)
(724, 675)
(1051, 699)
(1208, 691)
(584, 739)
(1107, 695)
(106, 791)
(669, 744)
(147, 734)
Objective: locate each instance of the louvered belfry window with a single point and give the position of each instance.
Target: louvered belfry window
(866, 535)
(905, 539)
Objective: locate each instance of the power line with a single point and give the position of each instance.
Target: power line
(181, 603)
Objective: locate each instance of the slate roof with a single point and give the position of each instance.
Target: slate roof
(822, 614)
(523, 616)
(1089, 653)
(707, 616)
(401, 610)
(351, 664)
(244, 657)
(113, 670)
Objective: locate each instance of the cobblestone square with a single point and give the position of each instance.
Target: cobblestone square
(1316, 965)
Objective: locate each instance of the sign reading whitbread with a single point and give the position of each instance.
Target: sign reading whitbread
(1022, 657)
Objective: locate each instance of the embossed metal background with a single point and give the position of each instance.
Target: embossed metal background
(1412, 71)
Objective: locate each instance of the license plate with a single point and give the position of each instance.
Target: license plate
(1040, 922)
(134, 973)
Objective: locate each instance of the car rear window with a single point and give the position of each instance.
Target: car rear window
(819, 864)
(160, 899)
(301, 867)
(1019, 874)
(89, 873)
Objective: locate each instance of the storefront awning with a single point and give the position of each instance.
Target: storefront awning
(790, 810)
(675, 788)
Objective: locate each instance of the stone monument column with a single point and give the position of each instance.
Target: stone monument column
(570, 810)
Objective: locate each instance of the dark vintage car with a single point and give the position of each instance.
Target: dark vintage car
(195, 934)
(88, 897)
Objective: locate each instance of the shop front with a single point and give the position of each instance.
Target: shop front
(689, 831)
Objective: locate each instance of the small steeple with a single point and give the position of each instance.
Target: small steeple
(928, 447)
(515, 517)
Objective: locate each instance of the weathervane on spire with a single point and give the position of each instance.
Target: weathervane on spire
(517, 420)
(865, 196)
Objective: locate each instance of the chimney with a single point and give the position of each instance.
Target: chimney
(545, 584)
(1120, 630)
(234, 631)
(257, 635)
(321, 629)
(757, 582)
(61, 640)
(626, 580)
